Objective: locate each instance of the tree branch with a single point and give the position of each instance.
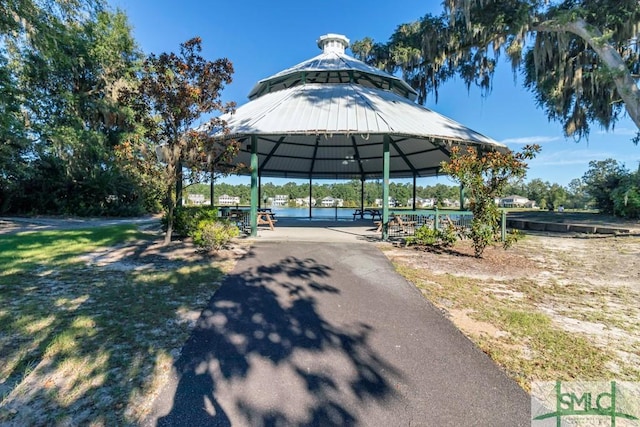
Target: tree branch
(622, 77)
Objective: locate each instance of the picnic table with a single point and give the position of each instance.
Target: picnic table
(266, 217)
(373, 213)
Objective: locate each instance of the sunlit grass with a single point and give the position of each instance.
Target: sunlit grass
(24, 251)
(81, 343)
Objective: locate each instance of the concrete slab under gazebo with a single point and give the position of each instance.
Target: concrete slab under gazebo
(334, 117)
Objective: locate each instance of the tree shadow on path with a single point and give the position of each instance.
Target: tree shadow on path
(264, 353)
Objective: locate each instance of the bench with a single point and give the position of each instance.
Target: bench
(397, 222)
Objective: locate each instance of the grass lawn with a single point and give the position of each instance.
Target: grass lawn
(551, 308)
(91, 321)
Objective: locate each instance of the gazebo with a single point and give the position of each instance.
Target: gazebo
(335, 117)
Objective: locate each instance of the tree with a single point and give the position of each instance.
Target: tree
(175, 90)
(579, 57)
(557, 196)
(626, 197)
(484, 176)
(576, 195)
(67, 63)
(538, 190)
(600, 180)
(14, 143)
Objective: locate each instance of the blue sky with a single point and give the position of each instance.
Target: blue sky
(262, 38)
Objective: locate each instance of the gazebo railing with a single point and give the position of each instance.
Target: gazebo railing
(409, 221)
(404, 223)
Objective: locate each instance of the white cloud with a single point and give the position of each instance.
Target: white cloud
(570, 157)
(619, 132)
(531, 140)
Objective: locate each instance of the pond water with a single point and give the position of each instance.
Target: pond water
(316, 213)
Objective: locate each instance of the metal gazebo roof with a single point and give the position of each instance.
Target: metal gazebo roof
(328, 117)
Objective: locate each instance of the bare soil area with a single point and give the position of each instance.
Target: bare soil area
(553, 307)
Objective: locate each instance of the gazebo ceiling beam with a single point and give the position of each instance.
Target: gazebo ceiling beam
(378, 84)
(313, 160)
(356, 155)
(304, 174)
(272, 152)
(428, 150)
(404, 157)
(441, 146)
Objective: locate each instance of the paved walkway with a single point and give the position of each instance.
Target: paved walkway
(328, 334)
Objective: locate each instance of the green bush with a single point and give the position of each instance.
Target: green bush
(427, 236)
(512, 237)
(626, 202)
(187, 218)
(214, 234)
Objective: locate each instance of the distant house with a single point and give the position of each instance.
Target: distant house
(280, 200)
(226, 200)
(305, 201)
(514, 201)
(195, 199)
(392, 202)
(329, 202)
(448, 203)
(421, 203)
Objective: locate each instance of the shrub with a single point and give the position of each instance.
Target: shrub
(512, 237)
(626, 202)
(214, 234)
(427, 236)
(186, 219)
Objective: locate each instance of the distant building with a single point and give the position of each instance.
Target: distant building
(392, 202)
(515, 201)
(305, 201)
(280, 200)
(226, 200)
(195, 199)
(421, 203)
(329, 202)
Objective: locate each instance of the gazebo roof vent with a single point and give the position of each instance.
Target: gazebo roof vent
(333, 43)
(331, 67)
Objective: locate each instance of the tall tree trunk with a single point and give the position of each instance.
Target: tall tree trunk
(170, 216)
(179, 183)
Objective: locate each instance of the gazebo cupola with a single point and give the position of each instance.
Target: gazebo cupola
(333, 43)
(333, 66)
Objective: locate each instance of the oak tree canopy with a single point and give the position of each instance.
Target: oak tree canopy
(578, 57)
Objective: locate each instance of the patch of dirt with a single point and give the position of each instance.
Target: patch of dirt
(472, 326)
(605, 261)
(496, 263)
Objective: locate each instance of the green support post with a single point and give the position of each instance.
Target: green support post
(386, 161)
(254, 186)
(362, 195)
(415, 192)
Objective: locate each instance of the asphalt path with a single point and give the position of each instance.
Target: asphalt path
(324, 334)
